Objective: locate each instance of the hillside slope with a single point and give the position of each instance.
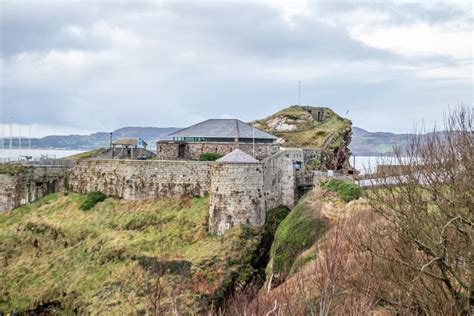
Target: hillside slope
(297, 127)
(113, 257)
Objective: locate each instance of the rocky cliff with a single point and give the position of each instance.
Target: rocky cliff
(313, 127)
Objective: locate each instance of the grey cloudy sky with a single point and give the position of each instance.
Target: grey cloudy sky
(80, 67)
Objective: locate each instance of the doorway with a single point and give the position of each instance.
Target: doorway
(181, 150)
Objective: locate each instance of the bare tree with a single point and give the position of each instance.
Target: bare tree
(422, 245)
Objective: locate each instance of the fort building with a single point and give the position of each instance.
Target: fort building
(220, 136)
(126, 148)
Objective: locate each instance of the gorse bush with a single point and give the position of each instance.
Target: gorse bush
(91, 200)
(348, 191)
(210, 156)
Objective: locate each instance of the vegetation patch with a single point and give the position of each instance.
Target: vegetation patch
(309, 132)
(296, 233)
(87, 154)
(91, 200)
(347, 190)
(210, 156)
(115, 257)
(10, 169)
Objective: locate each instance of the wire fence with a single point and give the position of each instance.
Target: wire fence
(43, 160)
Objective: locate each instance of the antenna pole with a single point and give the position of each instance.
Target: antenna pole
(3, 134)
(299, 92)
(11, 135)
(253, 140)
(19, 137)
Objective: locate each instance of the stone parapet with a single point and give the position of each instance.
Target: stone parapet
(134, 179)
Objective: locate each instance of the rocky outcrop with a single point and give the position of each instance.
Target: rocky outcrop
(313, 127)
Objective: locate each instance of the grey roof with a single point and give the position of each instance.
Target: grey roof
(237, 156)
(128, 141)
(223, 128)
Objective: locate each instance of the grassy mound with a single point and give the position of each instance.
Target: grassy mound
(87, 154)
(55, 257)
(347, 190)
(209, 156)
(299, 129)
(296, 233)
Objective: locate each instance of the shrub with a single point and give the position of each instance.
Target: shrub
(91, 200)
(347, 190)
(210, 156)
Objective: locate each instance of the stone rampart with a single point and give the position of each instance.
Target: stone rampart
(135, 179)
(242, 193)
(279, 180)
(237, 196)
(171, 150)
(9, 191)
(30, 183)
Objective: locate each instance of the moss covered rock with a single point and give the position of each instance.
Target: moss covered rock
(296, 233)
(298, 126)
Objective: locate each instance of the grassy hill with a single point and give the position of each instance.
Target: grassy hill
(55, 257)
(297, 128)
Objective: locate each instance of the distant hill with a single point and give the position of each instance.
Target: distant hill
(96, 140)
(364, 143)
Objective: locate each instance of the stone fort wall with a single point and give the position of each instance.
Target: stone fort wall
(30, 184)
(9, 191)
(136, 179)
(237, 196)
(169, 150)
(240, 193)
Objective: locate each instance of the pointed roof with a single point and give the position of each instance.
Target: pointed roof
(128, 141)
(223, 128)
(237, 156)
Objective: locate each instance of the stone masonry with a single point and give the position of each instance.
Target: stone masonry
(170, 150)
(30, 184)
(240, 193)
(237, 196)
(9, 191)
(135, 179)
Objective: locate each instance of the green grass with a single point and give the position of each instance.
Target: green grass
(91, 200)
(10, 169)
(347, 190)
(86, 154)
(309, 133)
(210, 156)
(296, 233)
(53, 252)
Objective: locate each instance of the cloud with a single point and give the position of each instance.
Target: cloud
(100, 66)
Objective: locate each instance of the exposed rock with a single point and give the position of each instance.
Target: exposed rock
(313, 127)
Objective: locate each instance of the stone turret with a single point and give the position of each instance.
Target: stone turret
(236, 192)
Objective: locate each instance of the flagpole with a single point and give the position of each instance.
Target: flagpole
(253, 140)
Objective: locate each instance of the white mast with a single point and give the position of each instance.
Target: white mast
(29, 139)
(11, 135)
(3, 135)
(253, 140)
(299, 92)
(19, 137)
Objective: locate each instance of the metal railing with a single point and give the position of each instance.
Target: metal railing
(38, 161)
